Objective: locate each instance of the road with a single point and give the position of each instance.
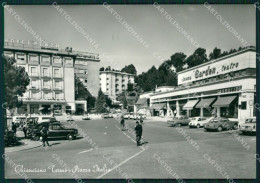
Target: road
(169, 152)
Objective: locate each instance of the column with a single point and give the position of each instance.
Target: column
(177, 108)
(85, 107)
(218, 111)
(201, 112)
(168, 109)
(28, 109)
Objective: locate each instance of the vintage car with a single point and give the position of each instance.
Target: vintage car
(105, 115)
(220, 123)
(56, 130)
(129, 115)
(86, 117)
(249, 126)
(198, 122)
(69, 118)
(179, 121)
(57, 113)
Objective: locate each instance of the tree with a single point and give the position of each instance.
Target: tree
(216, 53)
(129, 69)
(100, 104)
(177, 60)
(81, 92)
(130, 87)
(16, 81)
(91, 102)
(198, 57)
(102, 69)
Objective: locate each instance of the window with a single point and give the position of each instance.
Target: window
(33, 70)
(45, 83)
(33, 58)
(58, 95)
(34, 95)
(56, 127)
(45, 71)
(34, 83)
(57, 84)
(46, 95)
(86, 72)
(86, 80)
(45, 59)
(57, 60)
(56, 71)
(20, 56)
(243, 105)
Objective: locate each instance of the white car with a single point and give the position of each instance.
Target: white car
(129, 115)
(87, 117)
(198, 122)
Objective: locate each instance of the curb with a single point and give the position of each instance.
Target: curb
(23, 149)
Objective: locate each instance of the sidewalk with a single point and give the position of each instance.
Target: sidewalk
(23, 144)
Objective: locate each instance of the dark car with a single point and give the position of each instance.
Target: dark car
(220, 123)
(56, 130)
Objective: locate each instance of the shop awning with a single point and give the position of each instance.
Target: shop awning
(204, 103)
(141, 101)
(158, 106)
(224, 101)
(190, 104)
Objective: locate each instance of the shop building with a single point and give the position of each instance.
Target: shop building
(225, 87)
(52, 72)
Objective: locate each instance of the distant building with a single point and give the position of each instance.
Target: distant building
(52, 72)
(113, 83)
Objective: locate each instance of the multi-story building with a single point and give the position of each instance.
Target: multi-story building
(113, 83)
(52, 72)
(223, 87)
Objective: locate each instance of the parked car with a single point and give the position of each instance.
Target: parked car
(110, 115)
(179, 121)
(129, 115)
(249, 126)
(220, 123)
(19, 120)
(86, 117)
(105, 115)
(69, 118)
(42, 122)
(198, 122)
(56, 130)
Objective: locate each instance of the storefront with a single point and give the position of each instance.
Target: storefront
(224, 87)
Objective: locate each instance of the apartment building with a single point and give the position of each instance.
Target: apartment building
(52, 72)
(113, 83)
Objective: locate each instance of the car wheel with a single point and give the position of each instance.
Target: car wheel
(205, 130)
(70, 137)
(235, 127)
(198, 125)
(220, 129)
(189, 126)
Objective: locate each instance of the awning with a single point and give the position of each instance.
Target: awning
(204, 103)
(224, 101)
(190, 104)
(141, 101)
(158, 106)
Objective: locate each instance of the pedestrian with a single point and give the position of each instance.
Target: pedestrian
(122, 122)
(14, 127)
(44, 133)
(138, 132)
(141, 118)
(25, 130)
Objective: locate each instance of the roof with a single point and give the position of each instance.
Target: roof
(117, 72)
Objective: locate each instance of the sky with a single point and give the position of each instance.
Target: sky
(121, 46)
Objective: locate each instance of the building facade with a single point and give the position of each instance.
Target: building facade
(225, 87)
(113, 83)
(52, 72)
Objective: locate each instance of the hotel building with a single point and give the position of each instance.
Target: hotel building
(52, 72)
(113, 83)
(225, 87)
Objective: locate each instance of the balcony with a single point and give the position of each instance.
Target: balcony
(46, 75)
(57, 87)
(58, 76)
(46, 87)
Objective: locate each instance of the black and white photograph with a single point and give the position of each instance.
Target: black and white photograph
(130, 91)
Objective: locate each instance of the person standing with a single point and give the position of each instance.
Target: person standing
(122, 122)
(138, 132)
(44, 133)
(25, 130)
(14, 127)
